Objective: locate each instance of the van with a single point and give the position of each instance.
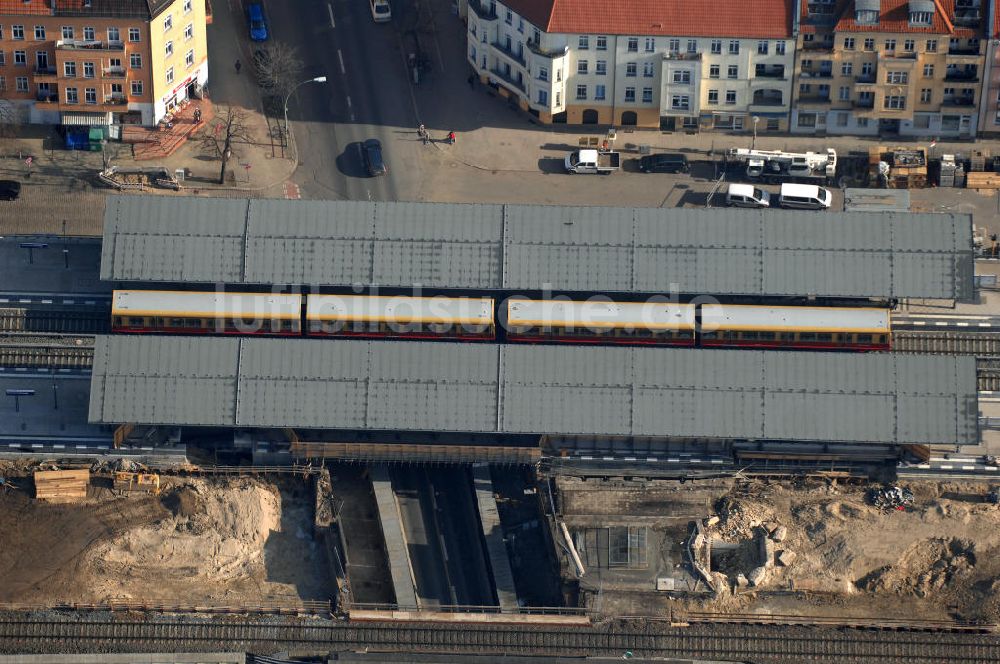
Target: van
(664, 163)
(258, 24)
(804, 197)
(748, 196)
(381, 12)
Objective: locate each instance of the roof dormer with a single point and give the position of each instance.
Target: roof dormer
(866, 12)
(921, 13)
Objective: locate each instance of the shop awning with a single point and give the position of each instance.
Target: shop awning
(86, 119)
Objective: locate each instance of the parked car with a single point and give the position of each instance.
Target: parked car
(804, 197)
(664, 163)
(593, 161)
(371, 154)
(258, 24)
(9, 190)
(748, 196)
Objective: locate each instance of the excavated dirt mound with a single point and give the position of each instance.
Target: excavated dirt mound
(238, 541)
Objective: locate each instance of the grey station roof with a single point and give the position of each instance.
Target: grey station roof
(481, 388)
(727, 251)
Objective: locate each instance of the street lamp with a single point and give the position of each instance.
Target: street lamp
(318, 79)
(753, 143)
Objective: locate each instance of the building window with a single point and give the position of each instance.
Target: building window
(601, 67)
(71, 96)
(807, 120)
(895, 102)
(949, 92)
(931, 46)
(680, 102)
(928, 71)
(472, 53)
(713, 71)
(779, 48)
(20, 58)
(168, 22)
(602, 43)
(633, 44)
(762, 47)
(890, 44)
(69, 69)
(114, 36)
(673, 45)
(848, 43)
(22, 83)
(805, 88)
(909, 45)
(581, 92)
(543, 98)
(88, 70)
(867, 68)
(90, 95)
(188, 31)
(716, 46)
(925, 96)
(647, 95)
(509, 18)
(869, 43)
(897, 77)
(921, 18)
(647, 70)
(558, 99)
(67, 32)
(543, 73)
(734, 46)
(520, 25)
(846, 68)
(583, 43)
(40, 32)
(536, 36)
(582, 66)
(651, 44)
(713, 96)
(135, 60)
(844, 93)
(630, 94)
(17, 32)
(88, 34)
(170, 76)
(187, 6)
(136, 88)
(630, 70)
(730, 97)
(558, 75)
(733, 71)
(599, 92)
(168, 49)
(1, 32)
(861, 122)
(3, 58)
(133, 35)
(842, 119)
(682, 76)
(692, 46)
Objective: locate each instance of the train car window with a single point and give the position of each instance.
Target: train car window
(709, 335)
(117, 321)
(767, 336)
(787, 336)
(193, 322)
(687, 334)
(881, 338)
(863, 338)
(807, 336)
(824, 336)
(136, 321)
(750, 336)
(729, 334)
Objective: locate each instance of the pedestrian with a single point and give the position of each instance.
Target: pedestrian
(238, 66)
(422, 133)
(451, 137)
(197, 115)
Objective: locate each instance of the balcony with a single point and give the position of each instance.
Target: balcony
(863, 103)
(962, 76)
(677, 55)
(814, 99)
(546, 52)
(509, 52)
(897, 55)
(818, 46)
(767, 98)
(115, 99)
(775, 73)
(967, 18)
(89, 45)
(483, 10)
(959, 101)
(114, 72)
(865, 79)
(507, 78)
(46, 74)
(963, 50)
(47, 97)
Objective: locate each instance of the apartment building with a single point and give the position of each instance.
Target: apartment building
(889, 67)
(712, 64)
(989, 106)
(100, 62)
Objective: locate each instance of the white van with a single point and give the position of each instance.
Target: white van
(381, 12)
(804, 197)
(747, 195)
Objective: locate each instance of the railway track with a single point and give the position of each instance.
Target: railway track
(53, 321)
(758, 643)
(980, 344)
(46, 356)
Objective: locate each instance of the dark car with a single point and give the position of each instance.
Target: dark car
(9, 190)
(664, 163)
(371, 152)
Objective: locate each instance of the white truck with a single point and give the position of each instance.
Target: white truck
(593, 161)
(774, 166)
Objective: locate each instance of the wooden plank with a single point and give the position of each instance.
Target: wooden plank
(83, 474)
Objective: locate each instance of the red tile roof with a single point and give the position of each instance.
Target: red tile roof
(21, 8)
(895, 18)
(764, 19)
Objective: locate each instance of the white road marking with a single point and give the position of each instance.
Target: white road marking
(651, 459)
(329, 9)
(945, 467)
(89, 302)
(608, 458)
(695, 460)
(37, 445)
(3, 299)
(990, 468)
(349, 101)
(13, 445)
(58, 447)
(924, 465)
(46, 301)
(919, 322)
(673, 460)
(69, 301)
(587, 458)
(985, 325)
(962, 324)
(940, 322)
(968, 467)
(340, 56)
(718, 460)
(630, 458)
(81, 447)
(24, 301)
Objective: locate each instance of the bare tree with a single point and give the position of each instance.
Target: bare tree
(277, 67)
(10, 119)
(227, 128)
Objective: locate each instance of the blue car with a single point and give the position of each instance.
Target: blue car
(258, 24)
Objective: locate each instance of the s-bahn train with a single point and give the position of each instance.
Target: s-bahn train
(598, 321)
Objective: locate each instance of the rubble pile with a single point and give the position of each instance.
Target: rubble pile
(889, 498)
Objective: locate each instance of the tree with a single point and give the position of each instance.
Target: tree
(277, 67)
(228, 128)
(10, 119)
